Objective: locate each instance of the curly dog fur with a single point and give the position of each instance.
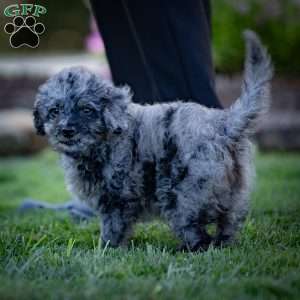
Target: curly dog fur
(181, 161)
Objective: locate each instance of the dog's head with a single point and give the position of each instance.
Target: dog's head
(77, 110)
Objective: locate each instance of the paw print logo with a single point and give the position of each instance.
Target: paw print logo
(24, 32)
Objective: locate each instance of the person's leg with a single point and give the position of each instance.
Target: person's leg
(160, 48)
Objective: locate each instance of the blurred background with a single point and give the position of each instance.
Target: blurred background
(71, 38)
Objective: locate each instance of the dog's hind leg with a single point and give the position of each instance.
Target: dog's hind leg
(191, 232)
(115, 228)
(194, 238)
(226, 230)
(230, 222)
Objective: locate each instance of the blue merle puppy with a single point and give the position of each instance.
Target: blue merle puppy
(183, 162)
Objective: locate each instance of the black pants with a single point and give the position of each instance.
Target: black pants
(161, 48)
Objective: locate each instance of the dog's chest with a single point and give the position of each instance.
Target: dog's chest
(84, 179)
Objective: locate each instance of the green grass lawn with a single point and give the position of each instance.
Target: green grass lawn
(46, 256)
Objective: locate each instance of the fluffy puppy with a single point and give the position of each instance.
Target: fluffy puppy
(181, 161)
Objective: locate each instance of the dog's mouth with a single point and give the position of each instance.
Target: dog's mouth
(73, 144)
(65, 143)
(69, 142)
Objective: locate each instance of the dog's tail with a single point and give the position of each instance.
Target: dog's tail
(254, 101)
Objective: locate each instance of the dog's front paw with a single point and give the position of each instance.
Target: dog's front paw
(104, 243)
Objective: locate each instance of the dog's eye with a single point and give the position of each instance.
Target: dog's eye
(87, 110)
(53, 112)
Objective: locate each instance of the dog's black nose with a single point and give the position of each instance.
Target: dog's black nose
(118, 130)
(68, 132)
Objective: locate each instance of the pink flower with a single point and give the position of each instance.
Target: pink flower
(93, 41)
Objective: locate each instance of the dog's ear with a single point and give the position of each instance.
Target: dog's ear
(119, 95)
(116, 121)
(38, 122)
(115, 115)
